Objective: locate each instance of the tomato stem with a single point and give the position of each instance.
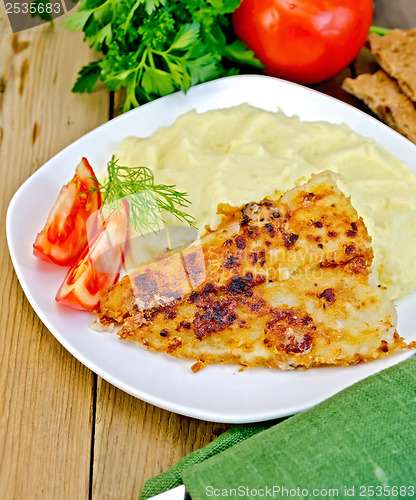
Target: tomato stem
(378, 30)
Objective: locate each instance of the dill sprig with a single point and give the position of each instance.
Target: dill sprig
(146, 200)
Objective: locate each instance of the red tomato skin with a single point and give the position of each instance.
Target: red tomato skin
(305, 41)
(85, 283)
(64, 236)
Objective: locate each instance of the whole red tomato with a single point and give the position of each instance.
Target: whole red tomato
(306, 41)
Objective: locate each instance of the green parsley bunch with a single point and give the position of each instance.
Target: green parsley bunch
(156, 47)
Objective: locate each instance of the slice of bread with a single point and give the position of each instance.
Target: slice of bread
(395, 52)
(383, 96)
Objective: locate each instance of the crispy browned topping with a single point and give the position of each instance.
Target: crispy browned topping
(266, 293)
(328, 294)
(350, 249)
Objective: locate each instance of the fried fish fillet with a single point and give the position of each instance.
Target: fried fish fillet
(281, 283)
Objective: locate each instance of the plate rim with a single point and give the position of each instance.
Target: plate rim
(134, 391)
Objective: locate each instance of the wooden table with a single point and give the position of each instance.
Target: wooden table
(66, 433)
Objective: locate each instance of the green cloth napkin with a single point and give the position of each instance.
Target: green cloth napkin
(359, 443)
(172, 477)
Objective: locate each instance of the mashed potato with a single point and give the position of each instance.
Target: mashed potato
(242, 154)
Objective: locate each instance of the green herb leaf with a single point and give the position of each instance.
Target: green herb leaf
(156, 81)
(238, 51)
(147, 201)
(203, 68)
(87, 78)
(103, 36)
(77, 21)
(155, 47)
(187, 35)
(151, 5)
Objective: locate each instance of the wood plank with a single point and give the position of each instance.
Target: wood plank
(135, 441)
(45, 394)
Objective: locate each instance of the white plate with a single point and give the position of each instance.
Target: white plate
(217, 393)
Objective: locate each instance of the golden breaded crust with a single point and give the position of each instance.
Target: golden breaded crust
(325, 317)
(281, 283)
(271, 239)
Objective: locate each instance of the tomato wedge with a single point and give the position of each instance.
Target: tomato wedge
(99, 265)
(64, 236)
